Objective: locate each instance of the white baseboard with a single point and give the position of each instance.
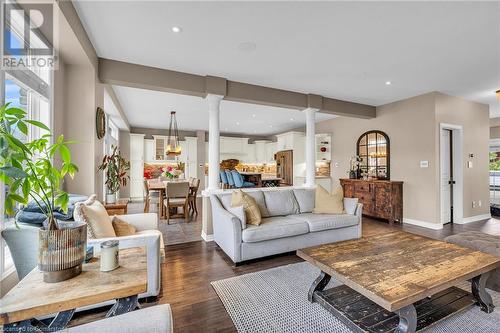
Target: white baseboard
(476, 218)
(425, 224)
(207, 238)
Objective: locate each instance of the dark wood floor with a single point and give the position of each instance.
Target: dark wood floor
(190, 267)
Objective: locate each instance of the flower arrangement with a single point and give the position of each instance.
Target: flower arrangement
(170, 172)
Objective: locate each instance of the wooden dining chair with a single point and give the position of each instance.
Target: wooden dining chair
(151, 197)
(177, 195)
(193, 191)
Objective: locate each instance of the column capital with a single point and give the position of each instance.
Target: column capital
(311, 110)
(214, 97)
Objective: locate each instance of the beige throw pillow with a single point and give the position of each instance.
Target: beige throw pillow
(122, 228)
(326, 203)
(98, 220)
(252, 211)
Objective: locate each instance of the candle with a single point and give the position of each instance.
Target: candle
(109, 255)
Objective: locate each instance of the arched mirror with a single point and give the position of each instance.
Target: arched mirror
(373, 148)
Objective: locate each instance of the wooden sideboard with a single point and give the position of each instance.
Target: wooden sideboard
(380, 198)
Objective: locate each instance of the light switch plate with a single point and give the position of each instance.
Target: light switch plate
(469, 164)
(424, 164)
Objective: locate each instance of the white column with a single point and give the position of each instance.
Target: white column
(213, 140)
(310, 146)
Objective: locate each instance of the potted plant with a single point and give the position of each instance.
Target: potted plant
(115, 167)
(29, 173)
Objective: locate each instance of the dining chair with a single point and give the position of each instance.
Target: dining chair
(193, 191)
(239, 182)
(230, 179)
(23, 247)
(223, 179)
(151, 197)
(177, 195)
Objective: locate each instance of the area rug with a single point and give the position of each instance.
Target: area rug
(275, 300)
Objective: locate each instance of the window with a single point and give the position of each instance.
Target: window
(26, 90)
(495, 171)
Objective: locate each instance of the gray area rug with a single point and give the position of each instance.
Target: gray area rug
(275, 300)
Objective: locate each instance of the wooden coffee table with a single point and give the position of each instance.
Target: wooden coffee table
(398, 281)
(32, 297)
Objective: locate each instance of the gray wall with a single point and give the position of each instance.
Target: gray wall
(125, 151)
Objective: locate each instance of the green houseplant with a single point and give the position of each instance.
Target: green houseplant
(115, 168)
(30, 174)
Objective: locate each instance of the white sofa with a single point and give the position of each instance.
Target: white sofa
(159, 320)
(288, 223)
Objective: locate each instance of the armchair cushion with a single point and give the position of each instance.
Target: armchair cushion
(122, 228)
(92, 212)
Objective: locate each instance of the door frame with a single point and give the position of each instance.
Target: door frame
(458, 172)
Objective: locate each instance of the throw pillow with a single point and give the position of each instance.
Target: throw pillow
(252, 212)
(326, 203)
(122, 228)
(350, 205)
(98, 220)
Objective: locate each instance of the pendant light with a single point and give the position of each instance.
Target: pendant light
(173, 146)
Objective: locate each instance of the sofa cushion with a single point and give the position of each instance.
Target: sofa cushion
(305, 199)
(225, 199)
(320, 222)
(281, 202)
(98, 221)
(252, 211)
(326, 203)
(273, 228)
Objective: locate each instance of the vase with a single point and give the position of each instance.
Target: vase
(110, 198)
(352, 174)
(61, 252)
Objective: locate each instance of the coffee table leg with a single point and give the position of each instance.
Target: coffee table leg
(123, 305)
(318, 285)
(407, 320)
(482, 297)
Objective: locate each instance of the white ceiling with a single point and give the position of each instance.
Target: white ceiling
(146, 108)
(345, 50)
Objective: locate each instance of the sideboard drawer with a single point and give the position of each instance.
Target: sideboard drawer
(362, 187)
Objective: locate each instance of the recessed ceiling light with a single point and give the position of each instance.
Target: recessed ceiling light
(253, 116)
(237, 123)
(255, 131)
(225, 129)
(176, 29)
(388, 83)
(271, 126)
(291, 119)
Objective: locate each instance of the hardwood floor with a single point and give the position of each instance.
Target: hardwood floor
(190, 267)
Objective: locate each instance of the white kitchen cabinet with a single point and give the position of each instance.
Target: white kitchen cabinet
(261, 151)
(271, 149)
(250, 154)
(136, 166)
(149, 150)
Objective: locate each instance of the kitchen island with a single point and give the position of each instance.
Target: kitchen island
(261, 179)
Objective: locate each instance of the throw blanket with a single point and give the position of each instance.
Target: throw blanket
(32, 214)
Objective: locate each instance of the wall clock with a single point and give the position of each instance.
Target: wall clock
(100, 123)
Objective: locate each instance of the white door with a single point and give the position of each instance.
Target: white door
(446, 176)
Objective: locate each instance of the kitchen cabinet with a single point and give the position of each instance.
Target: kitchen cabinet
(380, 198)
(149, 150)
(271, 149)
(250, 154)
(261, 155)
(136, 166)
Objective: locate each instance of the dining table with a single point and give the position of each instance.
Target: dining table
(161, 187)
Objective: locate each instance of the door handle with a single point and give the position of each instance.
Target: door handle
(452, 182)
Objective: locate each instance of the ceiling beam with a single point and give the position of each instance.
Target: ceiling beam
(145, 77)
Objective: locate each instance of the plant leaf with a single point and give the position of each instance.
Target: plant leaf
(13, 172)
(14, 111)
(38, 124)
(22, 127)
(65, 154)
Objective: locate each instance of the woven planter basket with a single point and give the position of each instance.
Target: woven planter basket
(61, 252)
